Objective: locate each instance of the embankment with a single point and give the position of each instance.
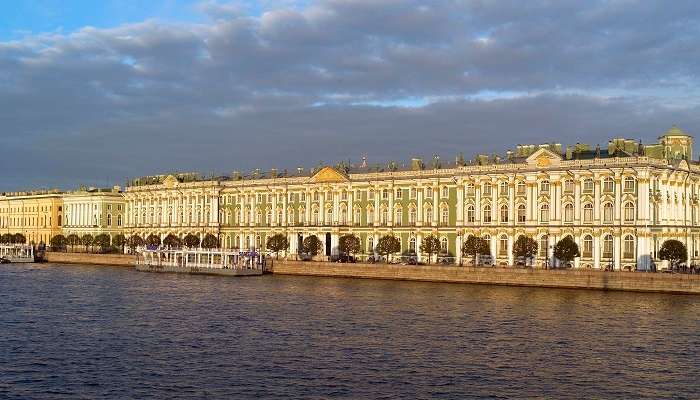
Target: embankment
(570, 279)
(121, 260)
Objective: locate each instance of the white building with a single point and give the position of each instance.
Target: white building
(94, 211)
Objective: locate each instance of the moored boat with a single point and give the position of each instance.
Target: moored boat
(200, 261)
(17, 253)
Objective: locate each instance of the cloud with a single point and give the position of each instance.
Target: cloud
(299, 83)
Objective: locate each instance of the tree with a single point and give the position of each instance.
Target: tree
(474, 245)
(277, 243)
(210, 241)
(191, 240)
(566, 250)
(312, 245)
(674, 251)
(19, 238)
(73, 240)
(172, 241)
(119, 241)
(87, 240)
(388, 244)
(135, 241)
(6, 238)
(349, 244)
(153, 240)
(102, 240)
(525, 247)
(58, 241)
(430, 245)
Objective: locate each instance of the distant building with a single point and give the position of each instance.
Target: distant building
(38, 215)
(94, 211)
(619, 202)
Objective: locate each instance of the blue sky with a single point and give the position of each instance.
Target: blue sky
(216, 85)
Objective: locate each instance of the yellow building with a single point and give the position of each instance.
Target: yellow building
(37, 215)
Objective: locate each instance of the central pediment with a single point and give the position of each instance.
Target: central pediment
(328, 175)
(543, 158)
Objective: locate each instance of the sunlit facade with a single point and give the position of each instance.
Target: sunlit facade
(94, 211)
(37, 215)
(619, 203)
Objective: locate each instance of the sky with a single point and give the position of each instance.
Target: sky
(96, 92)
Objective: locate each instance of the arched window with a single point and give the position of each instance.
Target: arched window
(412, 215)
(358, 215)
(504, 213)
(569, 213)
(445, 216)
(629, 211)
(445, 192)
(608, 212)
(520, 187)
(428, 192)
(544, 186)
(588, 212)
(503, 188)
(429, 215)
(119, 220)
(329, 216)
(628, 247)
(487, 239)
(109, 219)
(470, 214)
(487, 214)
(587, 246)
(412, 244)
(544, 246)
(385, 194)
(521, 213)
(443, 244)
(609, 185)
(608, 246)
(398, 216)
(315, 216)
(370, 215)
(503, 245)
(399, 193)
(544, 213)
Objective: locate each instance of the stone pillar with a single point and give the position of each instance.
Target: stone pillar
(419, 210)
(617, 250)
(460, 204)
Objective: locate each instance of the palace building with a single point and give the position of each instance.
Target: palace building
(38, 215)
(619, 203)
(94, 211)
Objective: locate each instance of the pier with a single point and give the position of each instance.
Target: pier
(17, 253)
(200, 261)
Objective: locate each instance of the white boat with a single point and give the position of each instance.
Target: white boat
(16, 253)
(200, 261)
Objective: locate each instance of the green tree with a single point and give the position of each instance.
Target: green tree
(349, 244)
(172, 241)
(191, 240)
(6, 238)
(674, 251)
(19, 238)
(276, 243)
(312, 245)
(73, 240)
(135, 241)
(525, 247)
(119, 241)
(210, 241)
(475, 245)
(86, 240)
(102, 241)
(58, 241)
(388, 244)
(430, 245)
(566, 250)
(153, 240)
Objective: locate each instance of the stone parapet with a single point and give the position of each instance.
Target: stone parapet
(120, 260)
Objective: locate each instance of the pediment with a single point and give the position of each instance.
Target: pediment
(543, 158)
(328, 175)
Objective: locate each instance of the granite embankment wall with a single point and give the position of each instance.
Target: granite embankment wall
(572, 279)
(121, 260)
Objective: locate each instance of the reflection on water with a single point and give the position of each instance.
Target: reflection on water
(81, 331)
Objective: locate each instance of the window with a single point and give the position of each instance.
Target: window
(587, 246)
(544, 213)
(384, 216)
(487, 214)
(412, 216)
(344, 195)
(544, 246)
(119, 220)
(487, 189)
(370, 215)
(412, 193)
(370, 195)
(443, 244)
(398, 217)
(588, 212)
(628, 247)
(470, 189)
(109, 219)
(521, 213)
(280, 218)
(607, 212)
(608, 246)
(504, 213)
(445, 192)
(487, 239)
(303, 196)
(412, 244)
(608, 185)
(520, 187)
(428, 192)
(470, 214)
(629, 211)
(445, 216)
(358, 215)
(568, 186)
(629, 184)
(429, 215)
(503, 188)
(503, 246)
(370, 244)
(399, 193)
(315, 217)
(316, 196)
(588, 185)
(385, 194)
(569, 213)
(329, 216)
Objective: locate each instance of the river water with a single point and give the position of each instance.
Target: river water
(103, 332)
